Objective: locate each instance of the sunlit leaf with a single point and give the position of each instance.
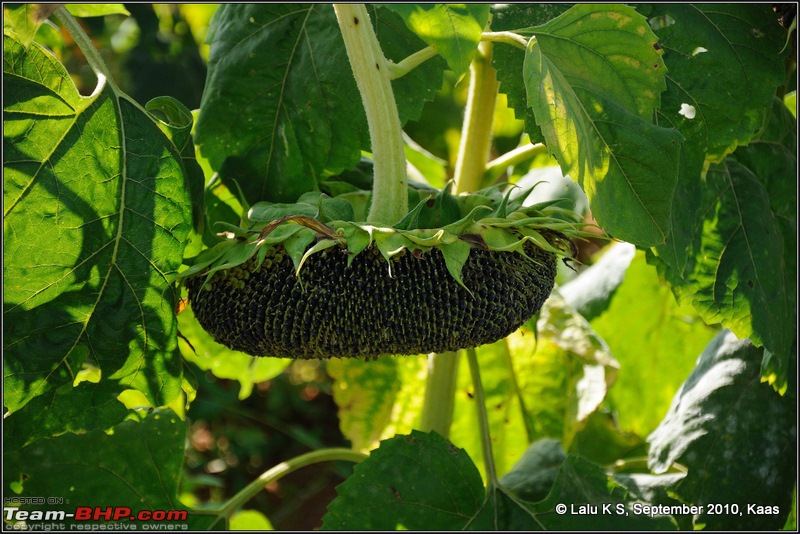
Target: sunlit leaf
(454, 30)
(594, 102)
(739, 276)
(96, 10)
(25, 19)
(97, 212)
(377, 399)
(535, 388)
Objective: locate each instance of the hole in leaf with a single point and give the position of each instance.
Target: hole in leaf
(687, 111)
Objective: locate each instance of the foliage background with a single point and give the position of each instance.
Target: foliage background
(248, 416)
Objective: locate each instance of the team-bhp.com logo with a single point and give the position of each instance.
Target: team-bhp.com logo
(27, 519)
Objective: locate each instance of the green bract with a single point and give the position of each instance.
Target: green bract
(279, 282)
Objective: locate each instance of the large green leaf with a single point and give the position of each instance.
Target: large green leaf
(593, 79)
(422, 482)
(723, 60)
(739, 274)
(737, 437)
(509, 60)
(280, 109)
(656, 349)
(418, 481)
(86, 407)
(24, 19)
(138, 467)
(724, 65)
(97, 212)
(454, 30)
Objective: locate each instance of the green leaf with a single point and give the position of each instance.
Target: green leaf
(736, 436)
(606, 50)
(270, 211)
(270, 112)
(580, 481)
(740, 43)
(454, 30)
(773, 158)
(594, 101)
(223, 362)
(281, 109)
(176, 124)
(509, 60)
(657, 348)
(535, 472)
(86, 407)
(25, 19)
(97, 212)
(96, 10)
(418, 481)
(724, 61)
(137, 466)
(739, 276)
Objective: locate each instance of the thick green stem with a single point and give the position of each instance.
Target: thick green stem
(283, 469)
(373, 77)
(514, 39)
(440, 388)
(476, 132)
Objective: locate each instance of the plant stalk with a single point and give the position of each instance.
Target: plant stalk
(476, 132)
(283, 469)
(373, 73)
(498, 166)
(483, 420)
(440, 387)
(98, 66)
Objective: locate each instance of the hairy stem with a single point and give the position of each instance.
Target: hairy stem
(283, 469)
(373, 77)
